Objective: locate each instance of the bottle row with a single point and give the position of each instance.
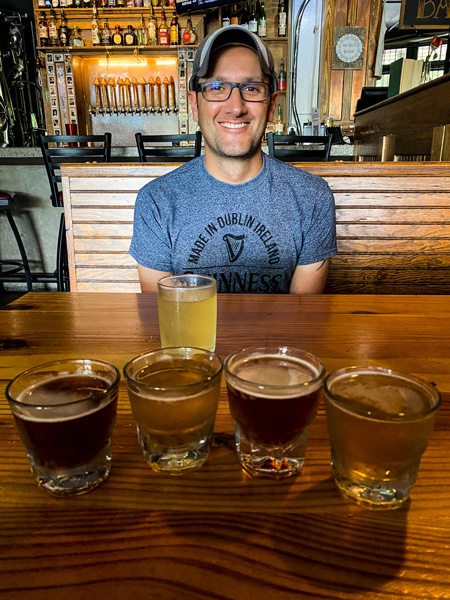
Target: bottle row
(104, 3)
(147, 34)
(254, 18)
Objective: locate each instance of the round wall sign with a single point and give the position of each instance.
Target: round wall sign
(349, 48)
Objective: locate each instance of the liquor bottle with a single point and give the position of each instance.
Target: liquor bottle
(53, 30)
(142, 35)
(63, 31)
(129, 39)
(55, 3)
(69, 3)
(174, 31)
(225, 16)
(152, 29)
(244, 17)
(121, 3)
(234, 16)
(95, 27)
(63, 3)
(282, 77)
(106, 35)
(41, 4)
(262, 23)
(78, 4)
(103, 3)
(282, 20)
(253, 23)
(75, 39)
(189, 36)
(117, 37)
(43, 30)
(86, 3)
(163, 30)
(111, 3)
(155, 3)
(279, 125)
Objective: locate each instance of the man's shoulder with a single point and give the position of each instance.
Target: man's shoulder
(295, 175)
(179, 176)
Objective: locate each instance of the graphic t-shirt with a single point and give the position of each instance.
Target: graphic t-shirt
(250, 237)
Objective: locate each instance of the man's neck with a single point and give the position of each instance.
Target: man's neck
(233, 170)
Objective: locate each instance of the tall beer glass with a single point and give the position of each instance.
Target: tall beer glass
(273, 394)
(187, 311)
(174, 394)
(65, 413)
(379, 422)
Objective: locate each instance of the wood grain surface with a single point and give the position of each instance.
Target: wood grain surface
(217, 533)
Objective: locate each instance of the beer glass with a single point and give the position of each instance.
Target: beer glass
(187, 311)
(65, 413)
(174, 394)
(273, 394)
(379, 422)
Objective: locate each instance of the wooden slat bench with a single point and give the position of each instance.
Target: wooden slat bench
(393, 225)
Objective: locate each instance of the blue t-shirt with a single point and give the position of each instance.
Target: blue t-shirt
(249, 236)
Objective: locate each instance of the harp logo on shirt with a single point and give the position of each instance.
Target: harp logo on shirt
(234, 245)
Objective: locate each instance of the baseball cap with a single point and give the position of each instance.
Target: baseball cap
(233, 35)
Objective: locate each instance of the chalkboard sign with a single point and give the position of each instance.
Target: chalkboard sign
(425, 14)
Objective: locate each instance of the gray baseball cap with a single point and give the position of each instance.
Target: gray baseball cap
(233, 35)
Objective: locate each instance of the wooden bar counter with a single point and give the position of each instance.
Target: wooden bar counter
(414, 125)
(217, 533)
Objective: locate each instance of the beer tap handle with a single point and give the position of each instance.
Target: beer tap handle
(129, 105)
(173, 101)
(105, 96)
(142, 84)
(134, 83)
(158, 95)
(151, 95)
(112, 93)
(97, 96)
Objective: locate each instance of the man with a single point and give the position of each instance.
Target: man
(254, 223)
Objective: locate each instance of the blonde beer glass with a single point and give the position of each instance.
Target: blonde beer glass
(273, 394)
(187, 311)
(65, 413)
(379, 423)
(174, 394)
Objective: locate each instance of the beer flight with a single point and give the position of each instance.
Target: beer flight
(379, 420)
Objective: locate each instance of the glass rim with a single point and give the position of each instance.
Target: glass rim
(210, 283)
(267, 349)
(386, 371)
(93, 396)
(189, 386)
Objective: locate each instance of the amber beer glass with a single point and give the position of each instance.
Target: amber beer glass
(174, 394)
(187, 311)
(273, 394)
(65, 413)
(379, 422)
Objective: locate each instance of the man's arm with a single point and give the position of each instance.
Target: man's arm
(149, 277)
(310, 279)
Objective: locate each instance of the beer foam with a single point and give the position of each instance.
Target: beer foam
(381, 396)
(276, 371)
(45, 401)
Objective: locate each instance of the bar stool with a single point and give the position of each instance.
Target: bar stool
(15, 266)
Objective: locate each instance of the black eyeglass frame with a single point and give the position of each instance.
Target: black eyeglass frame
(232, 85)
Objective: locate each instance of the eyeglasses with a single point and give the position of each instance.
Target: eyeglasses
(219, 91)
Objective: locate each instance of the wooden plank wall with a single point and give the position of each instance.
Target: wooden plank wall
(393, 225)
(342, 88)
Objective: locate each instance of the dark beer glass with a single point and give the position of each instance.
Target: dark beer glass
(65, 413)
(273, 394)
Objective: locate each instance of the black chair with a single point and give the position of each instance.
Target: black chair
(169, 153)
(297, 148)
(14, 267)
(84, 148)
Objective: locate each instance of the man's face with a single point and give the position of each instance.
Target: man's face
(233, 128)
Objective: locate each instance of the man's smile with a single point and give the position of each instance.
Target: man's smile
(233, 125)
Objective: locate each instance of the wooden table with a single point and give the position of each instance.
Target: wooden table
(217, 533)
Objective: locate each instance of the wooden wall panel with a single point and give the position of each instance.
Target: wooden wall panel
(342, 88)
